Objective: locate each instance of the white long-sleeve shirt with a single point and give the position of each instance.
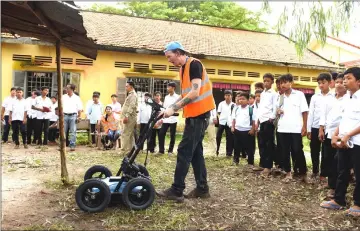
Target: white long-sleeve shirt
(268, 105)
(225, 112)
(331, 114)
(316, 104)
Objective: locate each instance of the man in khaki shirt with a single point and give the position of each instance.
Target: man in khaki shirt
(128, 118)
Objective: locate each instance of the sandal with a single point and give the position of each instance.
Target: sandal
(287, 179)
(353, 212)
(331, 205)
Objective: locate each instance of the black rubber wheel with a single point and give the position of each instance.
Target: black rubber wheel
(97, 172)
(138, 194)
(143, 170)
(93, 196)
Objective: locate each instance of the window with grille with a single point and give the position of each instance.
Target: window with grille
(142, 85)
(37, 80)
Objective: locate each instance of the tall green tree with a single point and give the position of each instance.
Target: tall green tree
(224, 14)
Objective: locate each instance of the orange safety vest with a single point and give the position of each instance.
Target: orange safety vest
(205, 101)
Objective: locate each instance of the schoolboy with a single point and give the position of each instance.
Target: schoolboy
(266, 116)
(316, 104)
(292, 126)
(243, 127)
(18, 117)
(329, 120)
(257, 129)
(347, 139)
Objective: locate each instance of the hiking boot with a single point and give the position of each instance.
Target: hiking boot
(170, 194)
(196, 193)
(17, 146)
(26, 146)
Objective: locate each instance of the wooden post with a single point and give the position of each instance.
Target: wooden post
(64, 172)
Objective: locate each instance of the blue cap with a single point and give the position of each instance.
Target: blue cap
(173, 46)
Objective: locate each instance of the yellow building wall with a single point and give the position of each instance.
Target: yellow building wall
(102, 76)
(336, 53)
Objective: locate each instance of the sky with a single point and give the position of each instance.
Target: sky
(352, 36)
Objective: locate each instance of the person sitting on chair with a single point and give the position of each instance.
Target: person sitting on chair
(110, 123)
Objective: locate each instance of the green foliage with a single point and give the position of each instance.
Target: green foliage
(222, 14)
(314, 20)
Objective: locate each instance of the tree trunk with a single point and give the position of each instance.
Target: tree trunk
(64, 172)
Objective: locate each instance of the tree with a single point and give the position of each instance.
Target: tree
(222, 14)
(315, 19)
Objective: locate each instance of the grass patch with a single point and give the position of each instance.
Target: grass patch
(54, 226)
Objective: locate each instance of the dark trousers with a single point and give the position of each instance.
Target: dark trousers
(292, 142)
(190, 151)
(92, 130)
(42, 125)
(30, 130)
(16, 126)
(266, 133)
(278, 158)
(142, 134)
(330, 163)
(243, 142)
(152, 142)
(162, 135)
(315, 146)
(348, 158)
(261, 149)
(5, 135)
(53, 132)
(229, 139)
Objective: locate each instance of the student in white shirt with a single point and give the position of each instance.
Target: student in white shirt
(243, 127)
(53, 119)
(316, 103)
(257, 129)
(347, 139)
(72, 107)
(266, 116)
(224, 112)
(18, 117)
(42, 107)
(329, 120)
(90, 102)
(144, 117)
(116, 106)
(94, 113)
(292, 127)
(231, 117)
(156, 130)
(31, 118)
(252, 100)
(170, 122)
(5, 114)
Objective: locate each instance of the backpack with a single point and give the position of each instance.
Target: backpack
(250, 113)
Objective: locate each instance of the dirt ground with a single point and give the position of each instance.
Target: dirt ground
(33, 197)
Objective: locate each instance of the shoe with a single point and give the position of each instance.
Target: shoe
(17, 146)
(257, 169)
(217, 153)
(196, 193)
(169, 194)
(170, 153)
(26, 146)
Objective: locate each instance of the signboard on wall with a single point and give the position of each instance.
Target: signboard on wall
(232, 86)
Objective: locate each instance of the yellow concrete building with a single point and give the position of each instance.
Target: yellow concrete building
(131, 47)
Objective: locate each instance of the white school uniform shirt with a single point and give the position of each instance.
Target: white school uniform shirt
(294, 105)
(116, 107)
(168, 101)
(231, 116)
(71, 104)
(351, 117)
(213, 115)
(53, 116)
(94, 112)
(316, 104)
(242, 118)
(31, 112)
(7, 104)
(144, 113)
(18, 108)
(268, 105)
(255, 114)
(331, 115)
(40, 103)
(225, 112)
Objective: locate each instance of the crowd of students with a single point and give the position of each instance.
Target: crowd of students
(280, 119)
